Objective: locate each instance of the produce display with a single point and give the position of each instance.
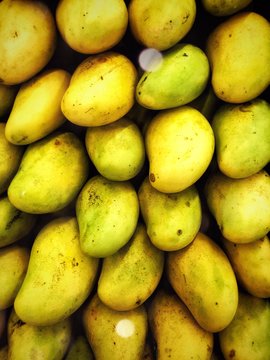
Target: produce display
(134, 180)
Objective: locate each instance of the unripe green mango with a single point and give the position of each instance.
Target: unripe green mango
(107, 213)
(203, 278)
(242, 136)
(241, 207)
(177, 334)
(13, 263)
(79, 349)
(172, 220)
(224, 7)
(28, 342)
(180, 77)
(247, 337)
(51, 174)
(14, 223)
(130, 276)
(48, 293)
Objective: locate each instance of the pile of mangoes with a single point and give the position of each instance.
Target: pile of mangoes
(134, 179)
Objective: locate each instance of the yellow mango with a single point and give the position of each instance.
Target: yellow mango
(101, 90)
(130, 276)
(203, 278)
(172, 220)
(27, 39)
(159, 24)
(224, 7)
(7, 97)
(238, 50)
(48, 293)
(36, 111)
(250, 263)
(247, 337)
(177, 334)
(180, 145)
(91, 27)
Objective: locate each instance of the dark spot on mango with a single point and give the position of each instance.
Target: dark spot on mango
(185, 54)
(152, 177)
(138, 302)
(11, 221)
(232, 353)
(179, 232)
(187, 203)
(57, 142)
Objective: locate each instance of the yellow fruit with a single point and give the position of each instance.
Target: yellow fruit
(224, 7)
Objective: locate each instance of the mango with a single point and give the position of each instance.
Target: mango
(203, 278)
(10, 158)
(177, 334)
(247, 337)
(51, 174)
(29, 122)
(27, 39)
(160, 25)
(14, 224)
(43, 342)
(242, 136)
(122, 334)
(181, 77)
(224, 7)
(91, 27)
(241, 207)
(116, 149)
(101, 90)
(7, 97)
(47, 294)
(179, 145)
(79, 349)
(107, 213)
(13, 262)
(131, 275)
(238, 50)
(250, 263)
(172, 220)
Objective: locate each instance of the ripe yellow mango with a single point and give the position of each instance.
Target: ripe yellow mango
(48, 293)
(203, 278)
(27, 39)
(160, 25)
(101, 90)
(36, 111)
(224, 7)
(238, 50)
(91, 27)
(180, 145)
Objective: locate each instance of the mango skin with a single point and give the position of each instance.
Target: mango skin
(107, 213)
(116, 149)
(91, 27)
(176, 332)
(47, 294)
(101, 90)
(241, 207)
(122, 334)
(130, 276)
(238, 50)
(172, 220)
(242, 137)
(41, 97)
(250, 263)
(160, 25)
(247, 337)
(224, 7)
(180, 145)
(185, 64)
(51, 174)
(79, 349)
(28, 39)
(46, 342)
(199, 266)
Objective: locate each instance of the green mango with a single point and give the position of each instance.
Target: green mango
(116, 149)
(51, 174)
(13, 264)
(107, 213)
(241, 207)
(121, 335)
(130, 276)
(172, 220)
(242, 135)
(28, 342)
(181, 76)
(14, 223)
(48, 293)
(79, 349)
(247, 337)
